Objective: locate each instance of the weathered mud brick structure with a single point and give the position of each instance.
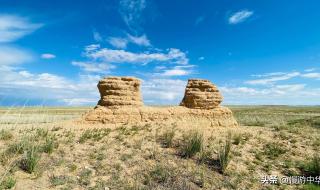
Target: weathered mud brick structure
(121, 103)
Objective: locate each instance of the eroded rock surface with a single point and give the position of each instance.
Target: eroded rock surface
(119, 91)
(121, 102)
(201, 94)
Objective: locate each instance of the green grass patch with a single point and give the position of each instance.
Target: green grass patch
(192, 144)
(5, 135)
(94, 134)
(273, 150)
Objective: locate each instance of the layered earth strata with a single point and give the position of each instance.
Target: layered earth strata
(121, 102)
(201, 94)
(119, 91)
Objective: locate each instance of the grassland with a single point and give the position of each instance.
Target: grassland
(43, 148)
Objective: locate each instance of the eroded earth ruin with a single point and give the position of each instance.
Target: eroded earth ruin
(121, 103)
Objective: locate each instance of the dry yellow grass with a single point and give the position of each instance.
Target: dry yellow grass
(83, 156)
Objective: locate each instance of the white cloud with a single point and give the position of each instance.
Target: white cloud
(116, 42)
(310, 70)
(48, 56)
(311, 75)
(274, 78)
(96, 36)
(289, 94)
(175, 72)
(201, 58)
(139, 40)
(24, 85)
(121, 56)
(94, 67)
(14, 27)
(25, 74)
(14, 56)
(131, 12)
(163, 91)
(121, 43)
(92, 47)
(269, 74)
(240, 16)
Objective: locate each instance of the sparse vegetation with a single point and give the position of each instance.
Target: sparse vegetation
(5, 135)
(224, 154)
(273, 150)
(49, 145)
(58, 180)
(160, 173)
(168, 138)
(192, 143)
(237, 139)
(30, 160)
(94, 134)
(85, 177)
(8, 183)
(311, 167)
(159, 155)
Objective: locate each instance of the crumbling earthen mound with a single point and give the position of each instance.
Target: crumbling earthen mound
(121, 103)
(201, 94)
(119, 91)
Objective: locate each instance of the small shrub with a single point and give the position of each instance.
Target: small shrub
(192, 144)
(312, 167)
(30, 160)
(205, 155)
(85, 177)
(58, 180)
(72, 167)
(273, 150)
(160, 173)
(311, 122)
(8, 183)
(56, 128)
(237, 139)
(49, 145)
(168, 138)
(94, 134)
(224, 154)
(5, 135)
(18, 147)
(42, 133)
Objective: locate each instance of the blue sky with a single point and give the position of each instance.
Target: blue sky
(256, 52)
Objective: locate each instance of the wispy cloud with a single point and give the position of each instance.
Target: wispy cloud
(139, 40)
(288, 94)
(163, 91)
(97, 36)
(48, 56)
(240, 16)
(122, 42)
(106, 55)
(14, 27)
(131, 12)
(274, 78)
(175, 72)
(13, 56)
(117, 42)
(93, 67)
(24, 85)
(313, 75)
